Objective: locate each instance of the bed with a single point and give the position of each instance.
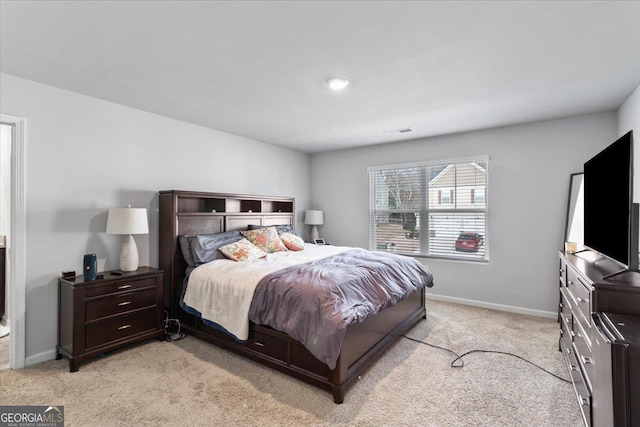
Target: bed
(187, 213)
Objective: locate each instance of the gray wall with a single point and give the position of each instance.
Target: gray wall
(629, 119)
(86, 155)
(528, 188)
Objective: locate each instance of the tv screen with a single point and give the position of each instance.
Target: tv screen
(608, 203)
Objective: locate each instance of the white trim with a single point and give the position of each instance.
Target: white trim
(41, 357)
(17, 249)
(482, 158)
(493, 306)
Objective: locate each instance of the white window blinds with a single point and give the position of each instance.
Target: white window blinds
(434, 209)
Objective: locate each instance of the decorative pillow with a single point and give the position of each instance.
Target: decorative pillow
(292, 242)
(204, 247)
(242, 250)
(282, 228)
(185, 246)
(266, 239)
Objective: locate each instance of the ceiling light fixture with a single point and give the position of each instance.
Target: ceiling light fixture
(337, 83)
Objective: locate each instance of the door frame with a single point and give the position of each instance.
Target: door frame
(17, 249)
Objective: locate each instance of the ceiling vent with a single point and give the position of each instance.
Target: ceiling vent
(405, 130)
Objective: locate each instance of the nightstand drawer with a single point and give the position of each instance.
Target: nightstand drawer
(268, 345)
(119, 303)
(115, 328)
(120, 286)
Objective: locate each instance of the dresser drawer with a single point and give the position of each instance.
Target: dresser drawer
(115, 328)
(565, 333)
(268, 345)
(119, 303)
(562, 272)
(581, 294)
(120, 286)
(582, 343)
(565, 303)
(580, 386)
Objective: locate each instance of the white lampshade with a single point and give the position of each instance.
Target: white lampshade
(314, 217)
(128, 221)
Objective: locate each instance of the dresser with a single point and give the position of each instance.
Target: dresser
(584, 296)
(108, 313)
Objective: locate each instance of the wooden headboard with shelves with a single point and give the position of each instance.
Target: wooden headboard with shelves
(191, 212)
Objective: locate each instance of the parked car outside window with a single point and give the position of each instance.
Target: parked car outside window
(469, 241)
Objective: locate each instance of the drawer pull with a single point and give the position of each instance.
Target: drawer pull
(123, 327)
(569, 282)
(568, 351)
(582, 299)
(586, 360)
(124, 303)
(573, 334)
(124, 286)
(583, 401)
(572, 367)
(259, 344)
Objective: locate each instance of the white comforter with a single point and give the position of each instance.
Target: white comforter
(222, 290)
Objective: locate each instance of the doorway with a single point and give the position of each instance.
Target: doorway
(6, 137)
(16, 250)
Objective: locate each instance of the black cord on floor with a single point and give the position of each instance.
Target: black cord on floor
(169, 335)
(458, 362)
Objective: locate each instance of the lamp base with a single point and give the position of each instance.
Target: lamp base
(129, 255)
(314, 233)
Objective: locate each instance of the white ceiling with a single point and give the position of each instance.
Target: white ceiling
(257, 69)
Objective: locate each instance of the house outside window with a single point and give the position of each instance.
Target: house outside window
(434, 209)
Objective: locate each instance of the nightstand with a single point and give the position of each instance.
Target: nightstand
(108, 313)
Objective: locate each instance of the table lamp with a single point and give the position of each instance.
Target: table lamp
(128, 221)
(314, 218)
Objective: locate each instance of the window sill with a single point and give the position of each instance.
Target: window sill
(444, 258)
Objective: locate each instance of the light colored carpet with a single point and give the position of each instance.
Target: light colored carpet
(4, 351)
(191, 383)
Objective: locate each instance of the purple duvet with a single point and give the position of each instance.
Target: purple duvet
(315, 302)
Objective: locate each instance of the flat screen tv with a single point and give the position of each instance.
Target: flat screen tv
(610, 216)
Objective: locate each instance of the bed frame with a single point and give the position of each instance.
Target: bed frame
(188, 212)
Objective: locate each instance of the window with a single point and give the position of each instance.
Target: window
(445, 197)
(435, 209)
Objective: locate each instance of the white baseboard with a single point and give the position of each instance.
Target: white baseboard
(493, 306)
(41, 357)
